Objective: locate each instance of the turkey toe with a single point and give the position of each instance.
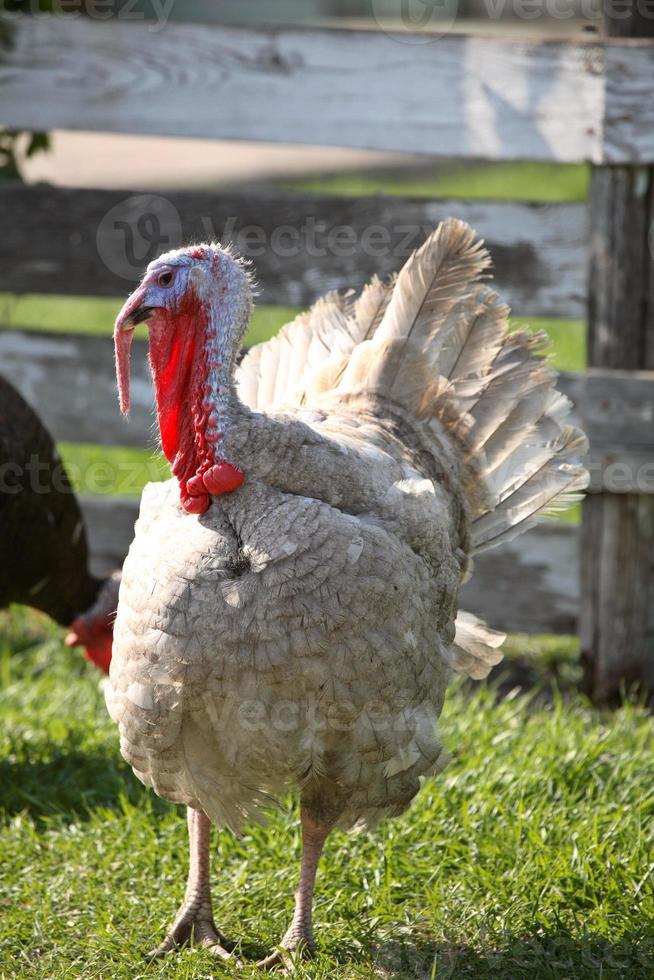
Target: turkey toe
(291, 949)
(193, 927)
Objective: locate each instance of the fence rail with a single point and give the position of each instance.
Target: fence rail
(58, 240)
(463, 96)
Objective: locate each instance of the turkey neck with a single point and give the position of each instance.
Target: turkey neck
(192, 356)
(214, 442)
(211, 439)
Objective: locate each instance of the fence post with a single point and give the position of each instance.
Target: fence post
(617, 539)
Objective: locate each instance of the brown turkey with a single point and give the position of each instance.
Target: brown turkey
(288, 610)
(43, 549)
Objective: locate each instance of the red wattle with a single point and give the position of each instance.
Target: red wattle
(195, 486)
(195, 503)
(99, 653)
(180, 368)
(222, 478)
(95, 633)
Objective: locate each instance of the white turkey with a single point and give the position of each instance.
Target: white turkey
(288, 610)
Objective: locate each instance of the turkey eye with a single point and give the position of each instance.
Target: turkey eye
(165, 278)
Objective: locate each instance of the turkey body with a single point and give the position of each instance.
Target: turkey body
(288, 616)
(287, 642)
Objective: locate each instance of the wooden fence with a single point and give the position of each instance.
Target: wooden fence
(457, 95)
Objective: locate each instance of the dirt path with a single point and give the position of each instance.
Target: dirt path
(155, 163)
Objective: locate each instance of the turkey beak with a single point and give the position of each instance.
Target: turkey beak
(134, 311)
(123, 344)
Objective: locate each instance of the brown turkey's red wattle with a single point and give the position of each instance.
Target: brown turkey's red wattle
(96, 636)
(180, 369)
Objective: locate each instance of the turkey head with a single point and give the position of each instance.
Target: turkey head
(196, 303)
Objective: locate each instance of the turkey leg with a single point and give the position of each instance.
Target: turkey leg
(299, 937)
(194, 920)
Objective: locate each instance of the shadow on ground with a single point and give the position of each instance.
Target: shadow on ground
(557, 955)
(69, 784)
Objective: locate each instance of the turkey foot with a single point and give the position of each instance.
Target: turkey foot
(193, 925)
(292, 948)
(299, 939)
(194, 921)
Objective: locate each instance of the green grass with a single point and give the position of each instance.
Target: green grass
(61, 314)
(112, 469)
(530, 857)
(519, 181)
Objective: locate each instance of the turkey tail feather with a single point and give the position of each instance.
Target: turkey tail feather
(443, 352)
(435, 342)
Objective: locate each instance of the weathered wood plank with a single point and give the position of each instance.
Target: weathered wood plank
(529, 585)
(617, 609)
(87, 242)
(110, 529)
(621, 285)
(616, 411)
(629, 106)
(629, 68)
(617, 598)
(69, 379)
(456, 96)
